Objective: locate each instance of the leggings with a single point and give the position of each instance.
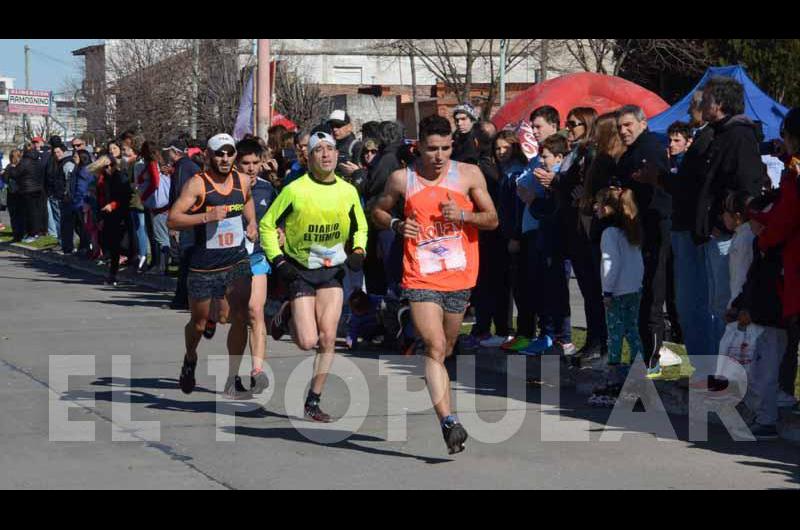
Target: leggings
(113, 229)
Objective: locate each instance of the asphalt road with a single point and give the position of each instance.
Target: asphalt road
(53, 316)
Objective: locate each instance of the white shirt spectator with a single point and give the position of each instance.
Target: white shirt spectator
(740, 258)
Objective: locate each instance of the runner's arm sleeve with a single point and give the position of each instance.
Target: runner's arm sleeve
(267, 227)
(357, 215)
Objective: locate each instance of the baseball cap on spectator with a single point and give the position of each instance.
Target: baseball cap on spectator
(218, 141)
(37, 139)
(338, 118)
(318, 137)
(176, 144)
(466, 108)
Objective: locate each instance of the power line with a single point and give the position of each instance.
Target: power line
(50, 57)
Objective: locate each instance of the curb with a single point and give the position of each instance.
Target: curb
(155, 282)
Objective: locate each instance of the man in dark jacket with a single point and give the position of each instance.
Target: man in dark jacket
(346, 143)
(55, 183)
(382, 269)
(644, 168)
(464, 146)
(734, 164)
(184, 169)
(29, 175)
(690, 280)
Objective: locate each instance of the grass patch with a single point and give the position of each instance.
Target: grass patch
(43, 242)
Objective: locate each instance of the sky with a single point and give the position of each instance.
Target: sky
(51, 61)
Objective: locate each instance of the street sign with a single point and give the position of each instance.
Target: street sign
(21, 101)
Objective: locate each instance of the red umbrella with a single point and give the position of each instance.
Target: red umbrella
(584, 89)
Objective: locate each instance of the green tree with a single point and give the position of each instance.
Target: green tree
(774, 64)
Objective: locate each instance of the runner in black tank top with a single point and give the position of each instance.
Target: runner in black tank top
(212, 204)
(219, 245)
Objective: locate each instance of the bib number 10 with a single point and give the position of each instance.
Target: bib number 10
(225, 239)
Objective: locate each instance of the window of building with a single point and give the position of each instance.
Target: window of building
(347, 75)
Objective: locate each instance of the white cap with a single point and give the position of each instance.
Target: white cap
(315, 139)
(219, 141)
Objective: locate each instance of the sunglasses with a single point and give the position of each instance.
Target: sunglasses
(77, 146)
(223, 152)
(372, 151)
(573, 124)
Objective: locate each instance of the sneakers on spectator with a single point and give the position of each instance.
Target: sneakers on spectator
(30, 239)
(513, 344)
(592, 350)
(764, 432)
(494, 341)
(568, 349)
(521, 344)
(473, 342)
(538, 346)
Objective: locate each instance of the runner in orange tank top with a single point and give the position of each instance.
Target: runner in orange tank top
(446, 203)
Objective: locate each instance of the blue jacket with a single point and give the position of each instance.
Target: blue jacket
(526, 219)
(509, 206)
(79, 187)
(263, 195)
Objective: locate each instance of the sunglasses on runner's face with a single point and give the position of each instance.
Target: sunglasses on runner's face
(222, 152)
(573, 124)
(372, 151)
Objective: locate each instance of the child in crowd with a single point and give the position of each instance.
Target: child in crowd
(365, 319)
(734, 216)
(622, 271)
(759, 302)
(551, 269)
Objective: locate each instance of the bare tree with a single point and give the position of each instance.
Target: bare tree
(298, 98)
(220, 87)
(608, 56)
(150, 85)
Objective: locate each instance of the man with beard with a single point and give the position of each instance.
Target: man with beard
(212, 204)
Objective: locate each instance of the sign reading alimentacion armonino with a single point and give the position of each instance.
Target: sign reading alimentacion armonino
(21, 101)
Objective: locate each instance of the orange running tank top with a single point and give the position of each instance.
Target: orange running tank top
(444, 256)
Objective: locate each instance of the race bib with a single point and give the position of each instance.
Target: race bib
(442, 254)
(227, 233)
(319, 256)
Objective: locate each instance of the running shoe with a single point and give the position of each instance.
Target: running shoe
(258, 382)
(211, 328)
(235, 390)
(454, 435)
(592, 351)
(111, 281)
(314, 413)
(538, 346)
(279, 325)
(494, 341)
(186, 380)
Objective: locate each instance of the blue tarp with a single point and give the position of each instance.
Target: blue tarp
(757, 104)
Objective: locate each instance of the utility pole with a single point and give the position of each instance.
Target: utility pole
(264, 100)
(195, 76)
(503, 43)
(414, 92)
(26, 124)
